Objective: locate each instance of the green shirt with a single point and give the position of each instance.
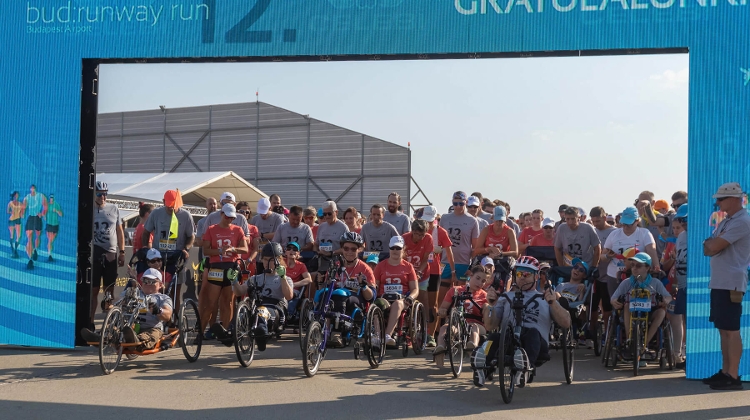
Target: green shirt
(52, 217)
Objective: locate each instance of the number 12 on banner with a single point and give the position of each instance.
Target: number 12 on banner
(240, 33)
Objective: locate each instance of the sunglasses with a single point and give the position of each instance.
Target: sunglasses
(719, 200)
(459, 204)
(328, 213)
(149, 281)
(229, 218)
(548, 227)
(579, 268)
(154, 261)
(349, 248)
(523, 274)
(101, 194)
(292, 248)
(473, 207)
(396, 248)
(676, 206)
(243, 212)
(639, 265)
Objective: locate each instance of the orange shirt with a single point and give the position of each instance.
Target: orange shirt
(539, 240)
(220, 237)
(354, 272)
(528, 234)
(500, 240)
(295, 273)
(480, 297)
(415, 251)
(443, 241)
(394, 278)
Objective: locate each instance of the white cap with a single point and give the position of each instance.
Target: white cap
(228, 196)
(152, 273)
(487, 261)
(264, 205)
(396, 241)
(429, 214)
(472, 201)
(153, 254)
(730, 189)
(229, 210)
(548, 222)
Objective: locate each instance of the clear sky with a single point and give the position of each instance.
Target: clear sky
(534, 132)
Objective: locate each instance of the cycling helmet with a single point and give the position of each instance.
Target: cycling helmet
(101, 186)
(527, 262)
(271, 249)
(352, 237)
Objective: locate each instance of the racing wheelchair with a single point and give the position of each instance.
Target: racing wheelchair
(411, 328)
(322, 318)
(457, 334)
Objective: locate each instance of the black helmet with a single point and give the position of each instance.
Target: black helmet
(271, 249)
(352, 237)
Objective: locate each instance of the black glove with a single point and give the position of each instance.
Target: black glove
(156, 310)
(409, 299)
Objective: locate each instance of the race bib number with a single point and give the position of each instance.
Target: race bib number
(166, 245)
(215, 274)
(569, 296)
(368, 253)
(351, 285)
(327, 247)
(640, 304)
(431, 258)
(393, 288)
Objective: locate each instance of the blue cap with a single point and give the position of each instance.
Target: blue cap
(582, 262)
(294, 244)
(682, 212)
(320, 212)
(641, 257)
(459, 195)
(629, 216)
(372, 259)
(500, 213)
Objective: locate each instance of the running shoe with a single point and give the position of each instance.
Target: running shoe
(430, 341)
(34, 256)
(716, 377)
(389, 341)
(727, 384)
(30, 265)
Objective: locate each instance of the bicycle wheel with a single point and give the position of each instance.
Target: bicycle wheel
(313, 354)
(609, 343)
(189, 324)
(598, 335)
(456, 340)
(505, 364)
(110, 348)
(418, 329)
(567, 342)
(244, 342)
(635, 347)
(374, 335)
(305, 309)
(668, 345)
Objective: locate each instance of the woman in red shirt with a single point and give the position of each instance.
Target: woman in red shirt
(396, 280)
(144, 210)
(498, 239)
(223, 244)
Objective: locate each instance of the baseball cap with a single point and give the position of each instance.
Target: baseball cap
(610, 218)
(396, 241)
(229, 210)
(582, 262)
(730, 189)
(459, 195)
(641, 257)
(487, 261)
(172, 198)
(320, 212)
(581, 211)
(562, 207)
(264, 205)
(661, 205)
(372, 259)
(294, 244)
(228, 196)
(548, 222)
(629, 216)
(429, 214)
(152, 273)
(499, 213)
(153, 254)
(682, 212)
(472, 201)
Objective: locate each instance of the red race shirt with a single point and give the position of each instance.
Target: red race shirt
(354, 273)
(394, 278)
(528, 234)
(480, 297)
(315, 232)
(415, 251)
(500, 240)
(220, 237)
(295, 273)
(443, 241)
(539, 240)
(138, 235)
(253, 230)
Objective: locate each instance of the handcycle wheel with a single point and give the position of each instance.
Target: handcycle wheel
(667, 360)
(374, 335)
(110, 348)
(404, 345)
(244, 342)
(313, 354)
(635, 347)
(567, 342)
(609, 343)
(189, 324)
(131, 356)
(305, 308)
(505, 363)
(456, 340)
(598, 334)
(418, 328)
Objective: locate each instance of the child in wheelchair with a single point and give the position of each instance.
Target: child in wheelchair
(473, 315)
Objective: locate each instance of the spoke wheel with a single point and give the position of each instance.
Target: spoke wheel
(456, 339)
(313, 354)
(375, 336)
(110, 348)
(598, 335)
(191, 337)
(668, 345)
(244, 342)
(418, 329)
(635, 347)
(568, 344)
(305, 312)
(609, 343)
(505, 364)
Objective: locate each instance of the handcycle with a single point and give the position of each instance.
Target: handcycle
(458, 332)
(322, 319)
(411, 328)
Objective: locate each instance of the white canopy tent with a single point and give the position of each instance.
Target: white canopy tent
(195, 187)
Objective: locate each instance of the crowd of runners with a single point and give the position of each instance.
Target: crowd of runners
(35, 213)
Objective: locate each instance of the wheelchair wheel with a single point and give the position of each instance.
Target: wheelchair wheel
(598, 335)
(635, 347)
(505, 364)
(667, 359)
(191, 337)
(374, 335)
(456, 340)
(568, 345)
(110, 348)
(131, 356)
(609, 353)
(313, 354)
(244, 343)
(305, 308)
(418, 328)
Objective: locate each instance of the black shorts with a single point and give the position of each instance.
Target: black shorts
(217, 273)
(34, 223)
(434, 283)
(102, 270)
(601, 294)
(16, 222)
(724, 313)
(53, 228)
